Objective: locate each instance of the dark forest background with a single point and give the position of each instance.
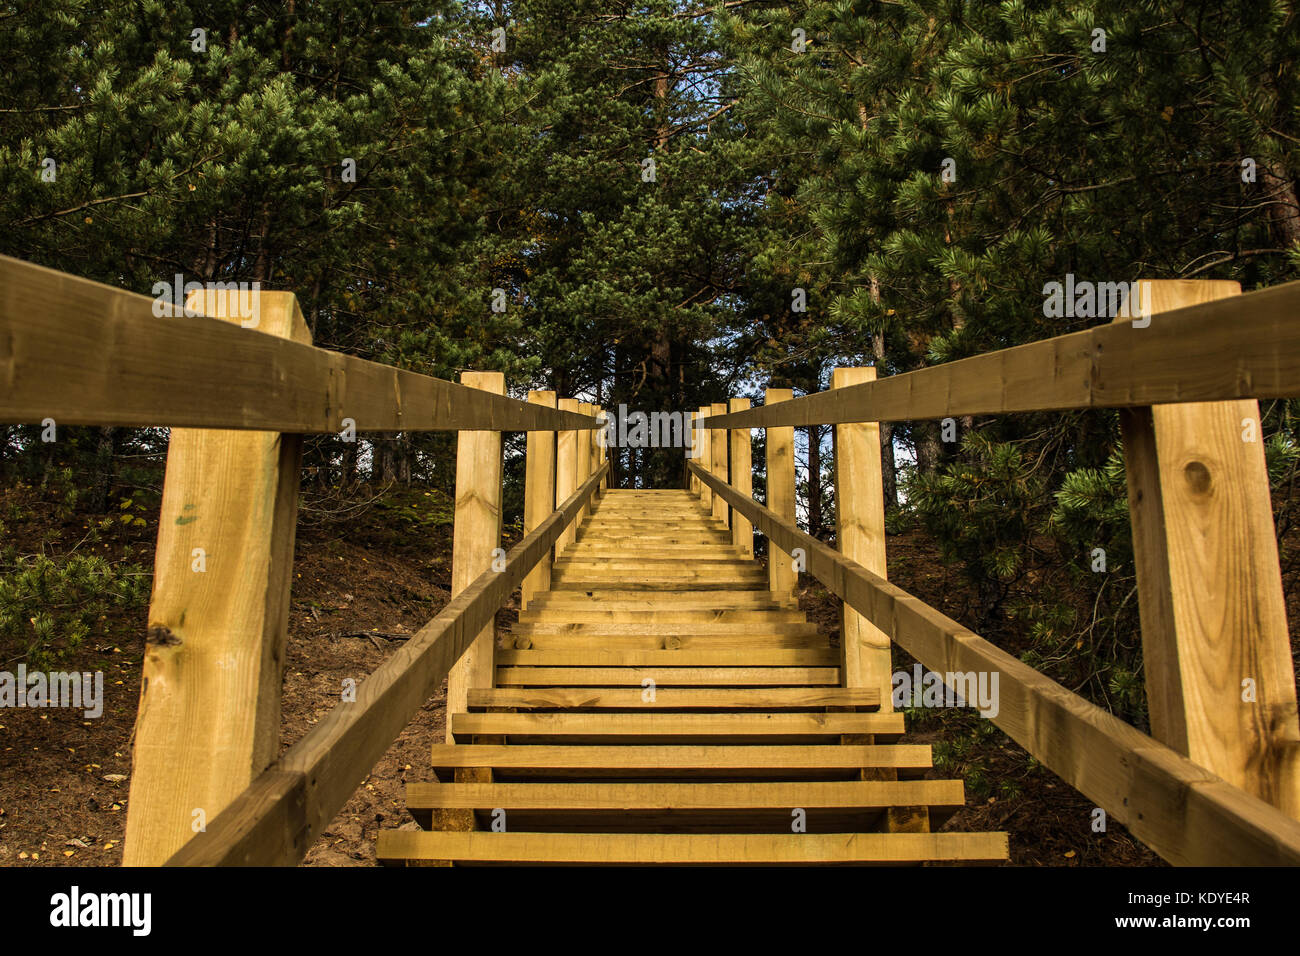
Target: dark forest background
(657, 188)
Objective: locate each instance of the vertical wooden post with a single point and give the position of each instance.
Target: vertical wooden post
(209, 719)
(781, 576)
(1220, 680)
(860, 532)
(584, 456)
(718, 459)
(566, 473)
(600, 437)
(539, 495)
(705, 461)
(693, 453)
(475, 535)
(742, 479)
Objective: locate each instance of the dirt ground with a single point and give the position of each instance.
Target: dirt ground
(360, 587)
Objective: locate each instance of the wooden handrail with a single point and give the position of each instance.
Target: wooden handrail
(85, 353)
(275, 820)
(1247, 346)
(1180, 810)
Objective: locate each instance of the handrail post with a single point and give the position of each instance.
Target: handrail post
(781, 576)
(860, 536)
(585, 466)
(475, 535)
(705, 437)
(742, 479)
(566, 474)
(209, 718)
(718, 459)
(539, 495)
(1216, 649)
(693, 452)
(599, 451)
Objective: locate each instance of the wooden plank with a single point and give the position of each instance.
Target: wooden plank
(679, 728)
(682, 698)
(98, 355)
(697, 629)
(584, 466)
(781, 576)
(649, 601)
(1244, 347)
(693, 483)
(718, 459)
(700, 656)
(566, 472)
(311, 782)
(671, 799)
(1181, 811)
(1216, 648)
(649, 640)
(668, 614)
(475, 535)
(691, 849)
(720, 676)
(209, 717)
(539, 494)
(860, 534)
(666, 759)
(741, 470)
(704, 439)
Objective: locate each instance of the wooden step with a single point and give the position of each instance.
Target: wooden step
(667, 617)
(649, 728)
(697, 656)
(676, 698)
(734, 643)
(668, 676)
(607, 628)
(595, 551)
(830, 806)
(587, 581)
(755, 761)
(640, 600)
(687, 849)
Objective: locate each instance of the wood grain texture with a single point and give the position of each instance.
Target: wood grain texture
(781, 576)
(686, 849)
(476, 533)
(705, 438)
(741, 471)
(209, 718)
(539, 494)
(860, 535)
(566, 472)
(585, 460)
(99, 356)
(314, 778)
(1212, 606)
(718, 460)
(1181, 811)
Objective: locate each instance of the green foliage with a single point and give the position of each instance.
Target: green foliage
(48, 606)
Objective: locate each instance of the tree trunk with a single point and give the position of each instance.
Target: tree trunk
(102, 479)
(815, 480)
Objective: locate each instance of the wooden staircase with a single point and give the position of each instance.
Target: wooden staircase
(660, 705)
